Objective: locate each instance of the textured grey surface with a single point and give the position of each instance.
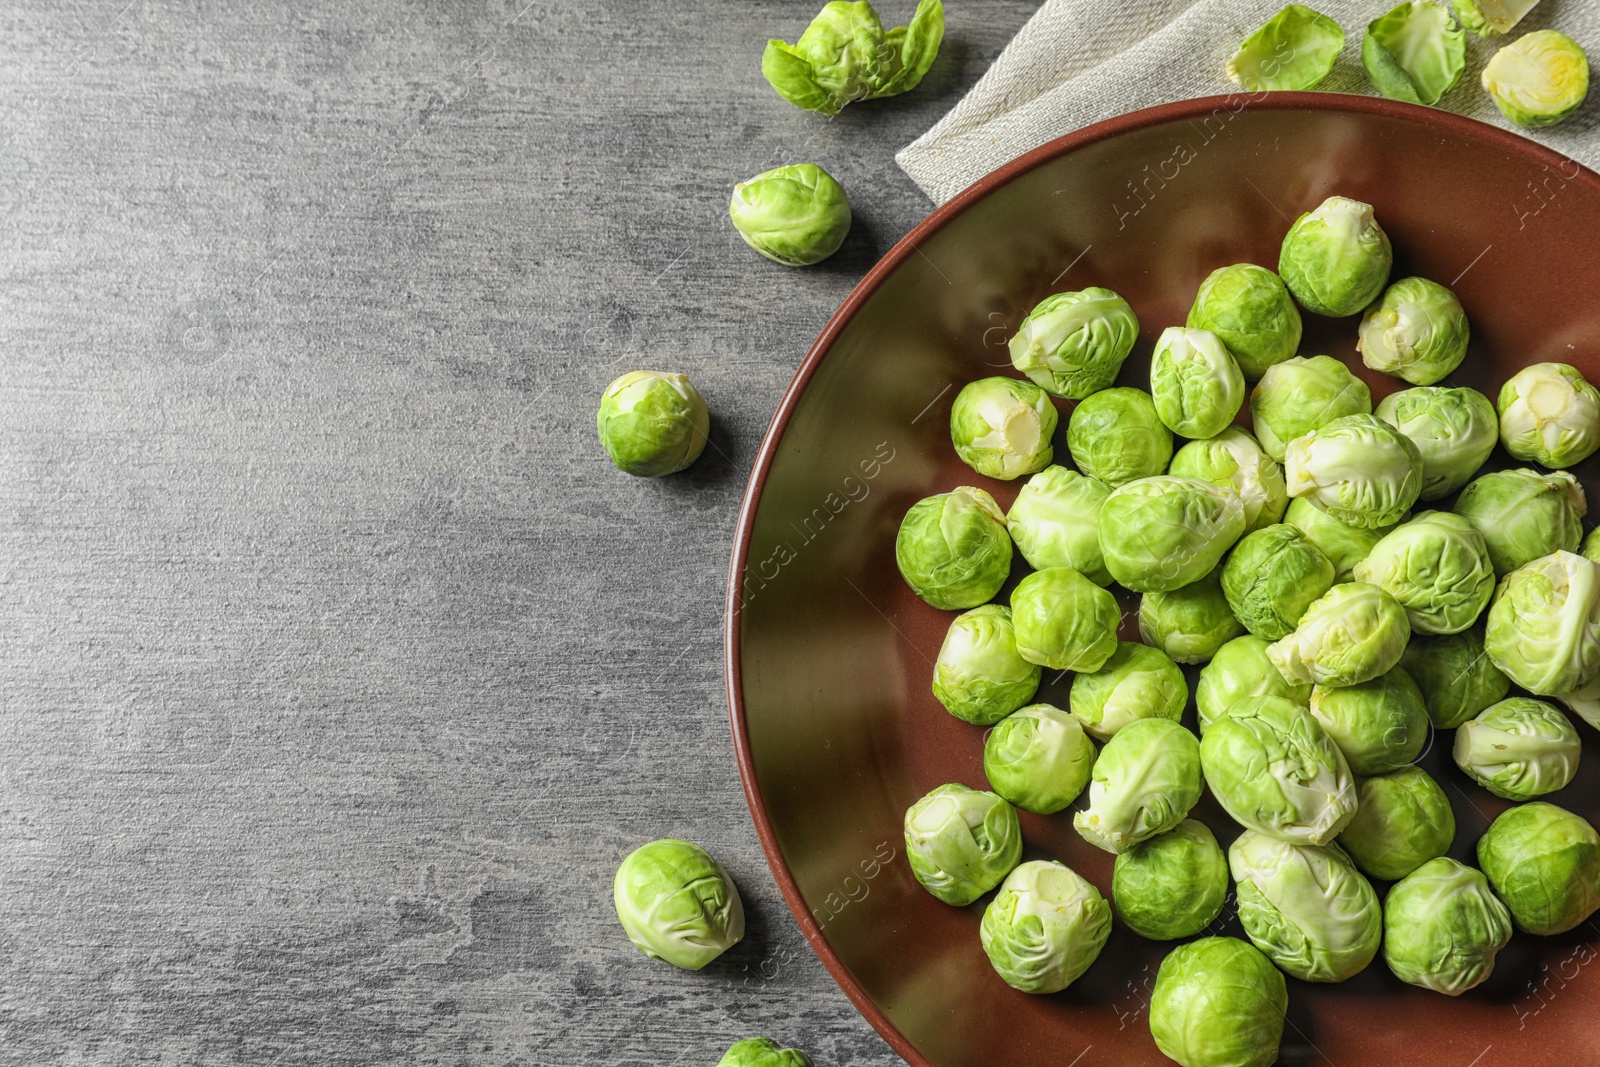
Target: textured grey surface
(339, 669)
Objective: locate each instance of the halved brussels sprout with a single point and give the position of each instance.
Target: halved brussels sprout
(1438, 567)
(1524, 514)
(1073, 344)
(1305, 906)
(1544, 863)
(1380, 725)
(1001, 427)
(1196, 385)
(1549, 414)
(953, 549)
(652, 424)
(1403, 820)
(1233, 460)
(1137, 682)
(1453, 429)
(1038, 758)
(980, 677)
(1519, 749)
(1538, 80)
(960, 842)
(1189, 624)
(1116, 436)
(1272, 768)
(1304, 394)
(1272, 576)
(1491, 18)
(1249, 308)
(846, 54)
(1415, 52)
(677, 904)
(1353, 634)
(1359, 468)
(1144, 783)
(1294, 50)
(1055, 522)
(1218, 1002)
(1443, 927)
(796, 215)
(1344, 544)
(1045, 927)
(762, 1052)
(1240, 670)
(1063, 620)
(1173, 885)
(1544, 625)
(1159, 534)
(1417, 331)
(1335, 259)
(1456, 678)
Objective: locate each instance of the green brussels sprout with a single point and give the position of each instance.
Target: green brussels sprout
(1591, 545)
(1001, 427)
(1159, 534)
(1294, 50)
(762, 1052)
(1443, 927)
(1519, 749)
(1355, 633)
(1500, 17)
(847, 55)
(1359, 468)
(1272, 768)
(1137, 682)
(1038, 758)
(1417, 331)
(1173, 885)
(652, 424)
(979, 676)
(953, 549)
(1538, 80)
(1232, 459)
(1549, 414)
(1543, 629)
(1189, 624)
(1045, 927)
(1403, 820)
(1073, 344)
(1335, 259)
(1196, 384)
(796, 215)
(677, 904)
(1306, 906)
(1584, 702)
(1055, 522)
(960, 842)
(1218, 1002)
(1063, 620)
(1380, 725)
(1453, 429)
(1272, 576)
(1438, 567)
(1144, 783)
(1544, 864)
(1248, 307)
(1344, 544)
(1240, 670)
(1456, 679)
(1304, 394)
(1415, 52)
(1524, 514)
(1116, 436)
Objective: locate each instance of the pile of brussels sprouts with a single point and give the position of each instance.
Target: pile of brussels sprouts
(1343, 611)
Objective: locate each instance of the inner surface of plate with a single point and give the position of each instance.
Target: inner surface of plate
(830, 655)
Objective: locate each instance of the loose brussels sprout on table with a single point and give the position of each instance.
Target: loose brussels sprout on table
(1584, 702)
(953, 549)
(1196, 385)
(1380, 725)
(1055, 522)
(1038, 758)
(1294, 50)
(1591, 545)
(1305, 906)
(1544, 864)
(1519, 749)
(1538, 80)
(1351, 635)
(1335, 259)
(960, 842)
(677, 904)
(1524, 514)
(1064, 621)
(1249, 308)
(1272, 576)
(1304, 394)
(1272, 768)
(1191, 623)
(1233, 459)
(1143, 784)
(1491, 18)
(1415, 52)
(796, 215)
(980, 676)
(1173, 885)
(1438, 567)
(1002, 427)
(652, 424)
(1443, 927)
(762, 1052)
(1543, 629)
(1218, 1002)
(1162, 533)
(846, 55)
(1241, 669)
(1456, 677)
(1359, 468)
(1403, 820)
(1116, 436)
(1453, 429)
(1045, 927)
(1073, 344)
(1549, 414)
(1417, 332)
(1345, 545)
(1137, 682)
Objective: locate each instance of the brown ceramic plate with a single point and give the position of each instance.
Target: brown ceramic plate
(830, 655)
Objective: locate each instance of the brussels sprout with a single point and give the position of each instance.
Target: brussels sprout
(1304, 394)
(960, 842)
(1137, 682)
(1189, 624)
(1456, 678)
(1415, 52)
(1403, 819)
(1045, 927)
(1353, 634)
(1160, 534)
(1218, 1002)
(1519, 749)
(1272, 576)
(1073, 344)
(796, 215)
(1305, 906)
(1173, 885)
(1195, 382)
(1539, 80)
(1294, 50)
(1335, 259)
(1438, 567)
(1063, 620)
(1038, 759)
(677, 904)
(1232, 459)
(762, 1052)
(1116, 436)
(953, 549)
(1500, 17)
(652, 424)
(1001, 427)
(1380, 725)
(1453, 429)
(1361, 469)
(1240, 670)
(1144, 783)
(1248, 307)
(1544, 625)
(1591, 545)
(1584, 702)
(1544, 864)
(1271, 767)
(1549, 414)
(1342, 543)
(1443, 927)
(1524, 514)
(979, 676)
(1055, 522)
(1417, 332)
(846, 55)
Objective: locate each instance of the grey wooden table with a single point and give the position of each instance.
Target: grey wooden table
(339, 669)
